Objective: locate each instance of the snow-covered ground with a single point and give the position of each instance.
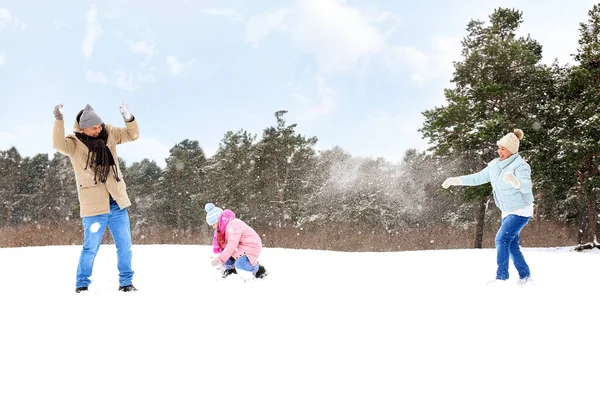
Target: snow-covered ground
(322, 325)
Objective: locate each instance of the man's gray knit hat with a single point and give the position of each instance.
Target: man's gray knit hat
(89, 118)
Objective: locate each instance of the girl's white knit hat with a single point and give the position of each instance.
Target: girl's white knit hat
(511, 140)
(212, 213)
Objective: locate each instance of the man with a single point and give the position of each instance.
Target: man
(103, 200)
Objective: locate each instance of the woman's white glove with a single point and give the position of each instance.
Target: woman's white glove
(511, 179)
(454, 181)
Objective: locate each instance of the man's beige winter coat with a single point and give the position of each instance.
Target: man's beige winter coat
(94, 197)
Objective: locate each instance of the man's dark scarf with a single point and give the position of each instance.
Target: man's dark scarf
(99, 156)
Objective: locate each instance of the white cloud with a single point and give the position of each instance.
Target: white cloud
(92, 34)
(132, 81)
(6, 20)
(19, 25)
(2, 58)
(126, 81)
(176, 67)
(145, 78)
(56, 23)
(260, 26)
(336, 34)
(96, 77)
(386, 20)
(322, 103)
(346, 39)
(298, 94)
(143, 47)
(326, 96)
(229, 13)
(445, 51)
(423, 66)
(339, 35)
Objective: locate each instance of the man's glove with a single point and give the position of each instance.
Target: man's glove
(58, 112)
(454, 181)
(511, 179)
(125, 112)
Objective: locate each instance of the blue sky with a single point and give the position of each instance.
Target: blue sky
(355, 74)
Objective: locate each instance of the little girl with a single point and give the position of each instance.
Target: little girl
(236, 244)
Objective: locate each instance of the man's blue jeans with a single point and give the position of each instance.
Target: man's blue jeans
(117, 221)
(507, 244)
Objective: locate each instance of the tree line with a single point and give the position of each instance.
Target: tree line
(279, 179)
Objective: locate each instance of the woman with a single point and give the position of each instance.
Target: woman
(510, 177)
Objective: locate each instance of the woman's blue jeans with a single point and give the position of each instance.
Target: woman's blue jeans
(507, 245)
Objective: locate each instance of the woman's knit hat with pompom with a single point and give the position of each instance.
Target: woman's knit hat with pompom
(511, 140)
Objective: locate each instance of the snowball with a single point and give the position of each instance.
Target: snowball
(95, 227)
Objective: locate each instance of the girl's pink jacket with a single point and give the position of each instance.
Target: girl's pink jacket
(241, 240)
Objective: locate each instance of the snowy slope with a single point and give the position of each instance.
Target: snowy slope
(323, 325)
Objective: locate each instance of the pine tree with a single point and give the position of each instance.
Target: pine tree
(324, 204)
(60, 191)
(180, 189)
(34, 173)
(575, 143)
(283, 161)
(142, 179)
(229, 174)
(12, 176)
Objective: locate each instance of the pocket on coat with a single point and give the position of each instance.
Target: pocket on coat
(86, 183)
(89, 192)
